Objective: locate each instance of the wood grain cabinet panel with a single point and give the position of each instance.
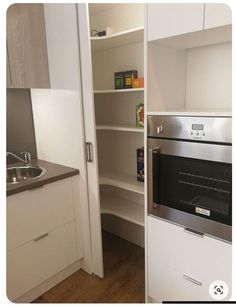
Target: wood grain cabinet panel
(26, 43)
(8, 79)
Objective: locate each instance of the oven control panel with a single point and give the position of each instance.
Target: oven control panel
(195, 128)
(197, 131)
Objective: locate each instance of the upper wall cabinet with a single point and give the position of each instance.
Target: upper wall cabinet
(217, 15)
(165, 20)
(26, 44)
(168, 20)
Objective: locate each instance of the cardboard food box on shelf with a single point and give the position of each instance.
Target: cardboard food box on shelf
(138, 83)
(140, 164)
(119, 80)
(129, 76)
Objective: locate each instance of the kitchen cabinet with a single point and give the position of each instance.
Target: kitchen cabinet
(38, 211)
(36, 261)
(26, 44)
(44, 235)
(181, 265)
(165, 20)
(180, 66)
(216, 15)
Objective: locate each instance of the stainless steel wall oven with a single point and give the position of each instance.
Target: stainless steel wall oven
(190, 172)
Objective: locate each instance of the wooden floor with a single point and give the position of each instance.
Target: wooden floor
(123, 281)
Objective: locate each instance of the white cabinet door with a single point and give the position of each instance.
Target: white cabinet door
(216, 15)
(34, 262)
(165, 20)
(40, 210)
(176, 258)
(90, 137)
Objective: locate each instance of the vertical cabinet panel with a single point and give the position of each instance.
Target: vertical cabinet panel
(90, 136)
(62, 45)
(165, 20)
(27, 49)
(217, 14)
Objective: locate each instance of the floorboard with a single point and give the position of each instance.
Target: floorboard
(123, 281)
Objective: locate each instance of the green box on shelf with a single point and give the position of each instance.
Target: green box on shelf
(140, 115)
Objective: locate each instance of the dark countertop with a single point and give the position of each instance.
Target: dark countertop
(54, 172)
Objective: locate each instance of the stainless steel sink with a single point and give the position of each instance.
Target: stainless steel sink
(23, 173)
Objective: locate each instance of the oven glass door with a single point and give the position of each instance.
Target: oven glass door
(195, 186)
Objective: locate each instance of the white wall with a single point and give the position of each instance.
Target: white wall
(58, 126)
(209, 78)
(166, 78)
(194, 79)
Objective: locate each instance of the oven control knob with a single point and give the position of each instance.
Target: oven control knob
(159, 129)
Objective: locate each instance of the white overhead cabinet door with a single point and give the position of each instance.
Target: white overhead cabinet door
(166, 20)
(216, 15)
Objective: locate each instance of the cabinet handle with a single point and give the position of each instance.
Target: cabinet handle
(194, 281)
(194, 232)
(151, 204)
(41, 237)
(89, 151)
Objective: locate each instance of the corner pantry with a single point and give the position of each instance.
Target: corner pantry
(117, 131)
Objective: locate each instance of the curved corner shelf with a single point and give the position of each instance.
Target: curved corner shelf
(128, 37)
(122, 208)
(128, 90)
(120, 128)
(122, 181)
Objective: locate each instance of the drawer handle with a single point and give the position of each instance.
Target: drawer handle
(194, 281)
(41, 237)
(194, 232)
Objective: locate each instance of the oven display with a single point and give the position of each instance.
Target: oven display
(197, 127)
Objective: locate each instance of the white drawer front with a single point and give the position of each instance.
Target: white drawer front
(170, 285)
(33, 212)
(34, 262)
(171, 249)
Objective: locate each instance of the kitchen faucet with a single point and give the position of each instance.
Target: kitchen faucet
(26, 160)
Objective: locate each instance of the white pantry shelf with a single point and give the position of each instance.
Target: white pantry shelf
(123, 208)
(122, 181)
(127, 90)
(120, 128)
(128, 37)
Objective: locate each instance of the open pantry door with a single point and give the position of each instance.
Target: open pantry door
(90, 137)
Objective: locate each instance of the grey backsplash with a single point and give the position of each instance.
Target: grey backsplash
(20, 123)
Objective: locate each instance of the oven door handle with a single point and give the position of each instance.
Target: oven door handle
(155, 150)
